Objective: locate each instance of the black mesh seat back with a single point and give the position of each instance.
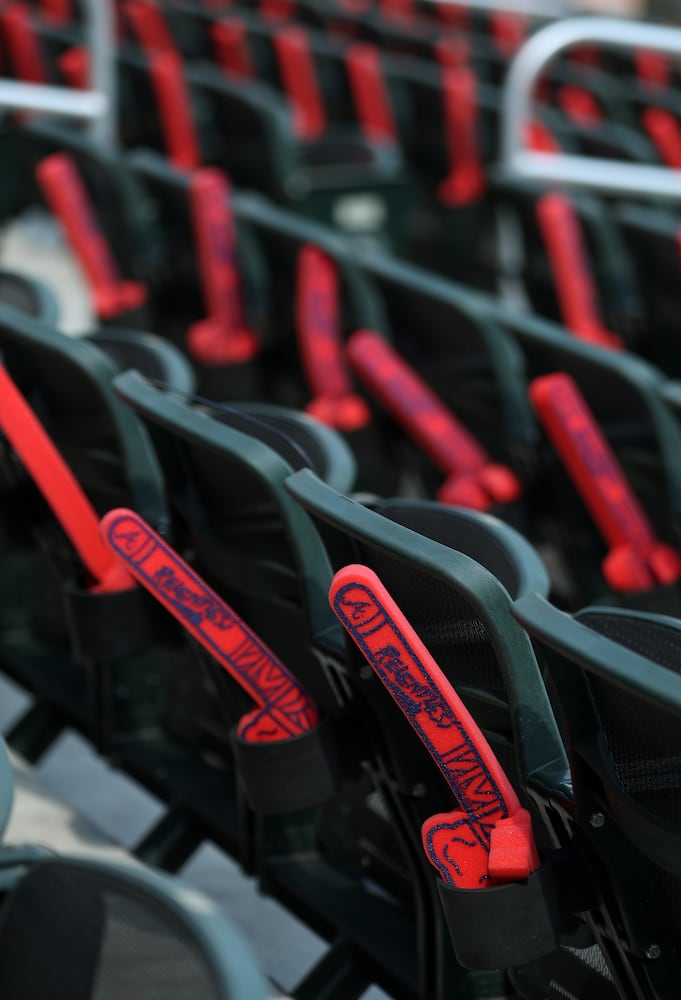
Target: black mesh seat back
(463, 356)
(235, 505)
(651, 238)
(74, 934)
(494, 545)
(454, 634)
(67, 383)
(257, 114)
(567, 974)
(627, 762)
(140, 121)
(623, 394)
(294, 439)
(618, 403)
(643, 739)
(64, 398)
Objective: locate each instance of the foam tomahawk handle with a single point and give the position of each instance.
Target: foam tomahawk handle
(473, 480)
(488, 839)
(465, 182)
(562, 235)
(284, 709)
(320, 344)
(68, 198)
(223, 337)
(299, 79)
(61, 490)
(637, 559)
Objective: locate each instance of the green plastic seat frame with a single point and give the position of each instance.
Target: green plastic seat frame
(444, 567)
(613, 676)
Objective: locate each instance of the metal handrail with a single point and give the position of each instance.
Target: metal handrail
(598, 174)
(534, 8)
(96, 106)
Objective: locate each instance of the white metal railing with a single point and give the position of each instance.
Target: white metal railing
(599, 174)
(96, 106)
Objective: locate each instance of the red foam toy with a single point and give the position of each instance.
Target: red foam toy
(472, 480)
(61, 490)
(56, 12)
(69, 200)
(637, 560)
(74, 65)
(166, 72)
(320, 344)
(465, 182)
(284, 709)
(665, 131)
(488, 839)
(23, 45)
(575, 287)
(299, 78)
(370, 93)
(222, 338)
(149, 26)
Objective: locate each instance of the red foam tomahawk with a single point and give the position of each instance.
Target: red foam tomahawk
(223, 337)
(488, 839)
(284, 709)
(637, 560)
(575, 287)
(68, 198)
(472, 479)
(56, 482)
(320, 342)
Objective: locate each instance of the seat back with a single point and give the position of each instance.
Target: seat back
(83, 929)
(613, 675)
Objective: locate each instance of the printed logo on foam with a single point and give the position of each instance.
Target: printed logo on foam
(489, 838)
(284, 707)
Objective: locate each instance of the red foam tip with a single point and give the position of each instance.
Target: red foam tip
(539, 138)
(580, 105)
(512, 851)
(74, 65)
(207, 343)
(318, 329)
(345, 413)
